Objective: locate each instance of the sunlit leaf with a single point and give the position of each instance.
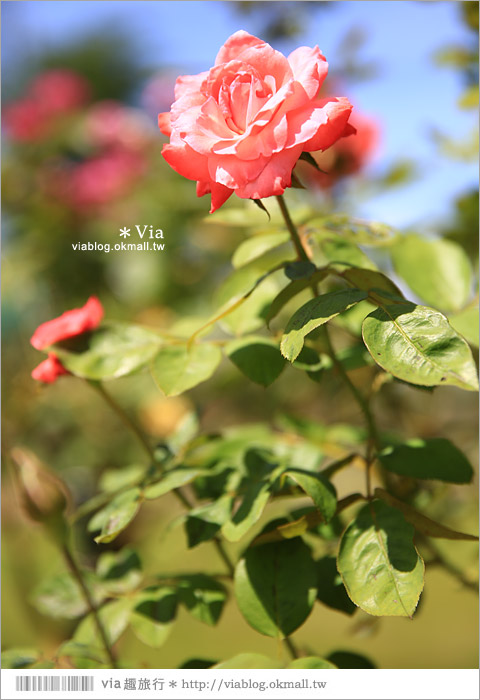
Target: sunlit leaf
(313, 314)
(438, 271)
(61, 596)
(418, 345)
(171, 480)
(249, 661)
(203, 596)
(121, 571)
(177, 368)
(256, 246)
(320, 490)
(465, 322)
(111, 351)
(380, 567)
(153, 613)
(311, 662)
(114, 617)
(116, 516)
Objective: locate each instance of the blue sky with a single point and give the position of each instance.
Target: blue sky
(410, 95)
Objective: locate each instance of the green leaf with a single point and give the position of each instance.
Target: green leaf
(177, 368)
(171, 480)
(465, 322)
(420, 522)
(186, 430)
(111, 351)
(152, 617)
(438, 271)
(203, 597)
(275, 586)
(369, 233)
(256, 246)
(61, 597)
(418, 345)
(203, 523)
(198, 663)
(249, 661)
(249, 511)
(19, 657)
(348, 659)
(435, 458)
(331, 591)
(121, 571)
(338, 251)
(250, 315)
(321, 491)
(291, 291)
(115, 517)
(310, 662)
(370, 280)
(77, 651)
(380, 567)
(114, 617)
(300, 269)
(257, 358)
(313, 314)
(113, 480)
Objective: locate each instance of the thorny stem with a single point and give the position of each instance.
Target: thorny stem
(292, 229)
(125, 418)
(373, 440)
(148, 449)
(78, 575)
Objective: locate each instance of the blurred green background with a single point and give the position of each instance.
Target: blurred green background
(80, 170)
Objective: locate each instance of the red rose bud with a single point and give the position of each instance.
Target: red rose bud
(68, 325)
(49, 370)
(44, 497)
(241, 126)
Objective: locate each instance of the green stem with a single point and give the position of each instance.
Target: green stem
(78, 575)
(373, 439)
(125, 418)
(302, 255)
(294, 653)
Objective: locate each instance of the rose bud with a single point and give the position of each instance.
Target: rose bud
(43, 495)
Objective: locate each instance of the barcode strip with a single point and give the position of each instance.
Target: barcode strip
(28, 684)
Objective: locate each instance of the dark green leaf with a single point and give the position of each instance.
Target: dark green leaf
(331, 591)
(111, 351)
(369, 280)
(380, 567)
(203, 523)
(203, 597)
(438, 271)
(348, 659)
(320, 490)
(153, 614)
(198, 663)
(275, 586)
(120, 571)
(249, 511)
(313, 314)
(177, 368)
(257, 357)
(435, 458)
(300, 269)
(418, 345)
(116, 516)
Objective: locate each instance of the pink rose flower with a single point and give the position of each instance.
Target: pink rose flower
(49, 370)
(241, 126)
(68, 325)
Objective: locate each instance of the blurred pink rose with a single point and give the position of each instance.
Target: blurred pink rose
(348, 156)
(51, 95)
(60, 91)
(111, 123)
(241, 126)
